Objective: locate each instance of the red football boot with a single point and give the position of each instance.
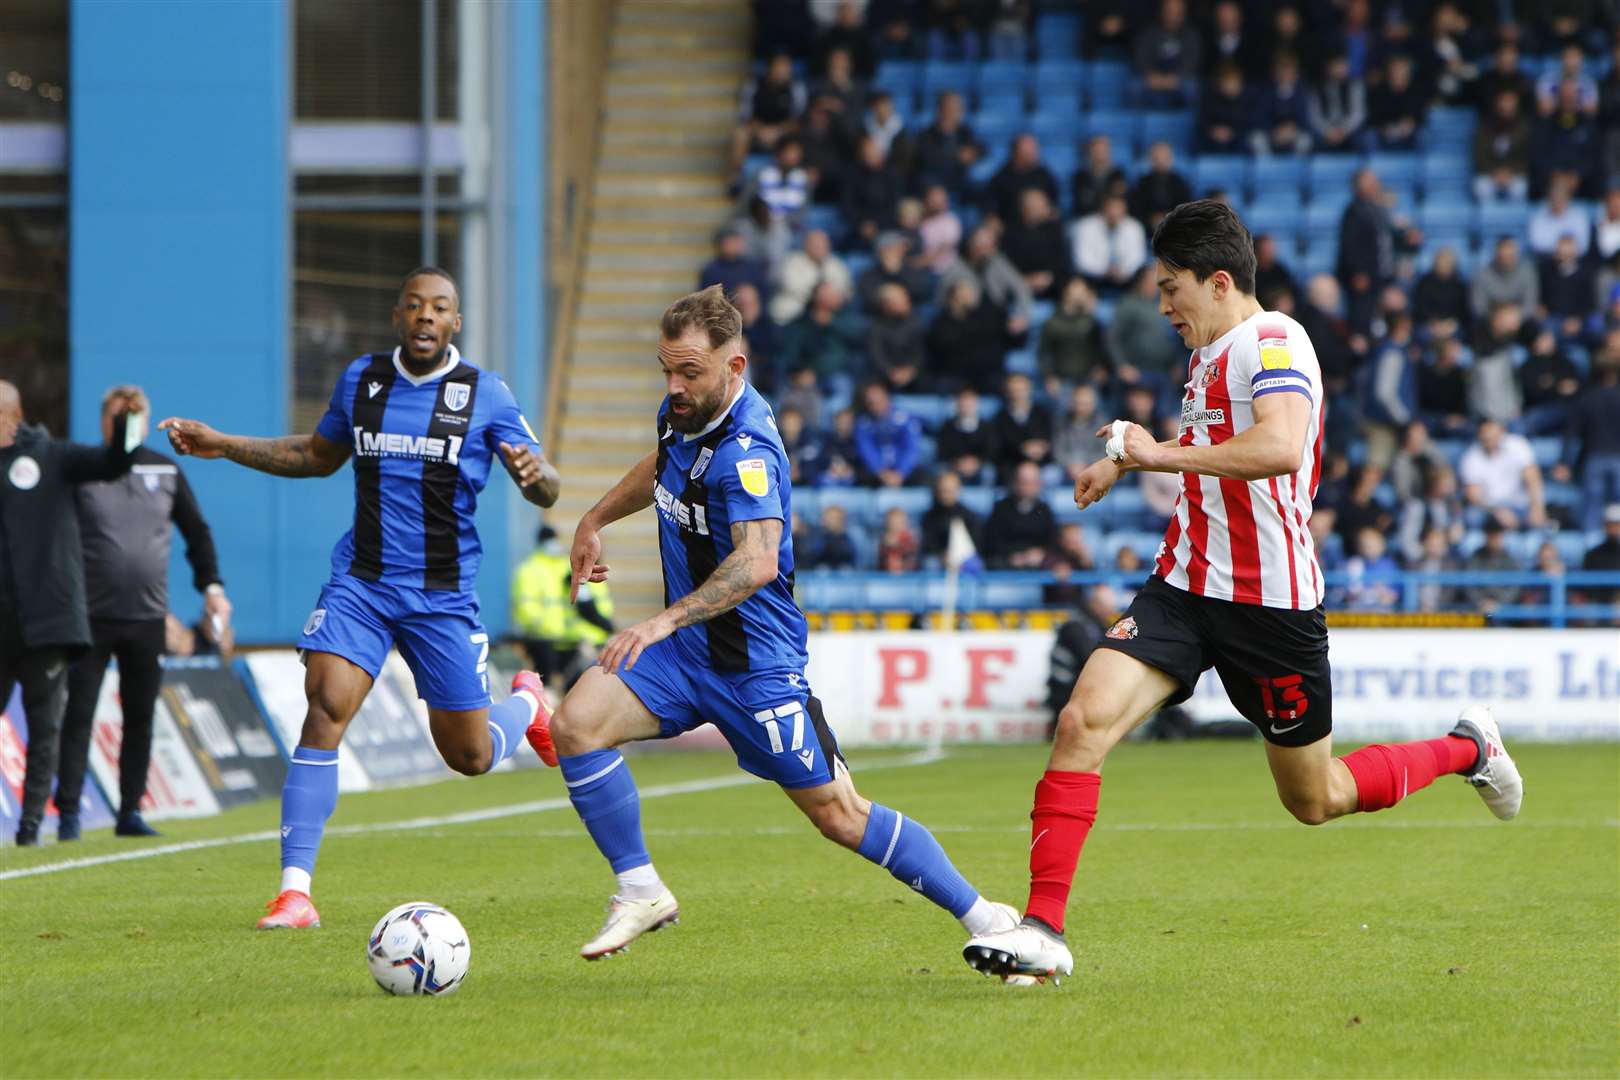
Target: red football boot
(539, 733)
(292, 910)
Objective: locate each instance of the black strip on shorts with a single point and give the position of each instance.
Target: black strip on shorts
(366, 413)
(824, 734)
(441, 540)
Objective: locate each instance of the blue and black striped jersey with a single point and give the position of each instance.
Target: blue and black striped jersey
(423, 449)
(734, 471)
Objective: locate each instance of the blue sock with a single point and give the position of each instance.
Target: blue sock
(910, 852)
(307, 799)
(604, 794)
(507, 723)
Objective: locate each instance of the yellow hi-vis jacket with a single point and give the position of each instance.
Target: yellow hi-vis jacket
(540, 604)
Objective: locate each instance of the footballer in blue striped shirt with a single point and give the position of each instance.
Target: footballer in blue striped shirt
(729, 647)
(423, 427)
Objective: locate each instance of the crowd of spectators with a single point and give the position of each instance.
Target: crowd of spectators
(929, 304)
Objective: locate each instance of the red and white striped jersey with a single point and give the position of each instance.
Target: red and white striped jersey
(1247, 541)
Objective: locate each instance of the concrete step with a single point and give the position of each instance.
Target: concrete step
(664, 161)
(645, 235)
(661, 185)
(618, 409)
(631, 49)
(616, 332)
(730, 81)
(628, 211)
(641, 279)
(675, 260)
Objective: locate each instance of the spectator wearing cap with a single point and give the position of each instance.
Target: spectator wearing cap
(894, 341)
(1110, 246)
(947, 508)
(1097, 176)
(946, 149)
(1035, 245)
(1282, 111)
(1226, 113)
(1500, 476)
(1502, 146)
(1506, 279)
(731, 267)
(44, 623)
(888, 440)
(1594, 434)
(891, 268)
(1160, 189)
(802, 271)
(1004, 194)
(1557, 218)
(1021, 530)
(1168, 56)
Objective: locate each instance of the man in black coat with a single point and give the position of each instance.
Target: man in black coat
(1022, 529)
(43, 621)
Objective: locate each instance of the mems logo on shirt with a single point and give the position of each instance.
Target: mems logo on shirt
(419, 447)
(680, 514)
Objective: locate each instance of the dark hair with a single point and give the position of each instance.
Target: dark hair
(707, 310)
(1204, 236)
(431, 271)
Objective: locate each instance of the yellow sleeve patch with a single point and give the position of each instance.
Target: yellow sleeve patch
(755, 480)
(1275, 356)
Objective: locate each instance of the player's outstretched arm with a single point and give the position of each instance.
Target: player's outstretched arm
(290, 455)
(750, 566)
(535, 476)
(1274, 446)
(632, 493)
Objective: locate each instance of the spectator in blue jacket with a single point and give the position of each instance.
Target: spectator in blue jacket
(887, 439)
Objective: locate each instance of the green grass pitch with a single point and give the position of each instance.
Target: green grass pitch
(1213, 936)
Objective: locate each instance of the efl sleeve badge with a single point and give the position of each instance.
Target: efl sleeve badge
(755, 480)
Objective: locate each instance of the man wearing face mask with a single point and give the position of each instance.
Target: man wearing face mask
(43, 623)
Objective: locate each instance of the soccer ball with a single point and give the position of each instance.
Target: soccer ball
(418, 948)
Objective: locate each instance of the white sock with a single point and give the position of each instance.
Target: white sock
(534, 706)
(296, 879)
(640, 883)
(982, 918)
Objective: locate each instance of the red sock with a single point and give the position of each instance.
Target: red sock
(1385, 775)
(1065, 807)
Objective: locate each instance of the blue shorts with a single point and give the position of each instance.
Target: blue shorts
(438, 634)
(773, 723)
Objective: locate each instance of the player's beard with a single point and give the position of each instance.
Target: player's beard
(701, 412)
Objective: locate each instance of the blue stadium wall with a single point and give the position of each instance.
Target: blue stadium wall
(181, 271)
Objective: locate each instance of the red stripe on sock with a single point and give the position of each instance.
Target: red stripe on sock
(1065, 808)
(1385, 775)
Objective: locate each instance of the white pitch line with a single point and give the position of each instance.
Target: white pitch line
(684, 787)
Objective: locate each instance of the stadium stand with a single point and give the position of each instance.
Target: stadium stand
(1549, 378)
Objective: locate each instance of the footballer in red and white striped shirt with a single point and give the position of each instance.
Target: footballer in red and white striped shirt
(1236, 587)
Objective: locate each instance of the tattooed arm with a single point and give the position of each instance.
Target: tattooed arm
(291, 455)
(750, 566)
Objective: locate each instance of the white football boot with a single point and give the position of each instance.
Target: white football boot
(628, 920)
(1497, 779)
(1009, 921)
(1030, 949)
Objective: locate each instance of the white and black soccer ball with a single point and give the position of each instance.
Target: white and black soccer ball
(418, 948)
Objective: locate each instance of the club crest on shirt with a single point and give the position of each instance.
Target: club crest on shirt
(456, 395)
(1212, 371)
(754, 479)
(1124, 630)
(702, 463)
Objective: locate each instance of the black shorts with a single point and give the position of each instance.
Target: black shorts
(1272, 661)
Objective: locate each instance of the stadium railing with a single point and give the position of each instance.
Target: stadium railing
(1549, 601)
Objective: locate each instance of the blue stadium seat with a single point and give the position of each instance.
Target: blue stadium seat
(1227, 172)
(1050, 76)
(1318, 258)
(940, 75)
(1053, 128)
(1175, 128)
(996, 129)
(894, 592)
(1450, 126)
(1330, 203)
(1278, 199)
(1063, 158)
(1061, 503)
(1008, 590)
(1276, 173)
(982, 170)
(1064, 101)
(1057, 34)
(1107, 83)
(1445, 168)
(1022, 360)
(930, 409)
(903, 79)
(807, 503)
(1329, 173)
(1548, 448)
(1499, 217)
(1445, 214)
(1395, 169)
(913, 500)
(1003, 75)
(1120, 125)
(1275, 218)
(1002, 99)
(981, 500)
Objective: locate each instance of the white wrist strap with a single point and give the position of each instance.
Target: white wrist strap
(1115, 447)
